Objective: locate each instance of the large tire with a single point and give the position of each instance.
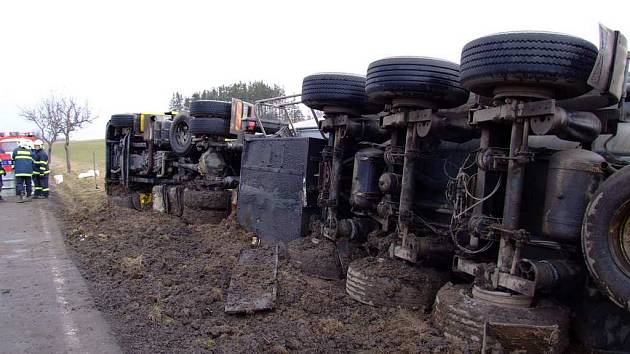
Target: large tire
(209, 200)
(210, 108)
(551, 61)
(462, 318)
(122, 120)
(334, 90)
(606, 237)
(180, 136)
(210, 126)
(392, 283)
(433, 81)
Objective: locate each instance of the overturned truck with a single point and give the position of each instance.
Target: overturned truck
(495, 193)
(186, 164)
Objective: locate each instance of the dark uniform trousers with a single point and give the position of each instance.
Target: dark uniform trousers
(23, 168)
(41, 172)
(21, 182)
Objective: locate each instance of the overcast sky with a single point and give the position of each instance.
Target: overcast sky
(130, 56)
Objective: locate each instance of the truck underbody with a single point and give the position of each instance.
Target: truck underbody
(496, 194)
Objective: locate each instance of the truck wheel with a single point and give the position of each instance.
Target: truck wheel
(210, 126)
(207, 199)
(606, 237)
(392, 283)
(555, 62)
(122, 120)
(462, 318)
(434, 81)
(210, 108)
(180, 136)
(334, 90)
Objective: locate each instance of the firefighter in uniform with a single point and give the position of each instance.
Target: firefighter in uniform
(37, 188)
(23, 168)
(40, 171)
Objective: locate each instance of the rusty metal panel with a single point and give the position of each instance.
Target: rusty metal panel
(278, 187)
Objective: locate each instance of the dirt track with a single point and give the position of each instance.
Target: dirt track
(162, 284)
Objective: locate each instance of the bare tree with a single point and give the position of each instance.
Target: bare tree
(45, 117)
(73, 116)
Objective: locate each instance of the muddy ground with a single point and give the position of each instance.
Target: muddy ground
(162, 284)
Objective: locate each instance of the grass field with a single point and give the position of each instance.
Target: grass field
(81, 154)
(75, 192)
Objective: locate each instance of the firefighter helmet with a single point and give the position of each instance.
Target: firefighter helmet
(22, 143)
(27, 144)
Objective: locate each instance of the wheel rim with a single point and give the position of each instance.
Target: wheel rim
(619, 237)
(181, 134)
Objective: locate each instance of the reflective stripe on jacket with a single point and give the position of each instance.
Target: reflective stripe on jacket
(40, 161)
(22, 162)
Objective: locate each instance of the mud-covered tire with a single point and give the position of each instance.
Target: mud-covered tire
(392, 283)
(462, 318)
(204, 199)
(180, 136)
(122, 120)
(433, 81)
(556, 62)
(318, 259)
(334, 90)
(606, 237)
(211, 108)
(210, 126)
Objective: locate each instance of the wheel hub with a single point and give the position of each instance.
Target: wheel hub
(523, 91)
(501, 298)
(339, 110)
(413, 103)
(182, 136)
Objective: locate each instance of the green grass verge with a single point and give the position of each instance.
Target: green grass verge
(81, 154)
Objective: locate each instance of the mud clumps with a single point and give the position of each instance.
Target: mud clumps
(316, 257)
(132, 267)
(177, 305)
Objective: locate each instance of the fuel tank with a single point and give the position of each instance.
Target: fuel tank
(572, 178)
(368, 167)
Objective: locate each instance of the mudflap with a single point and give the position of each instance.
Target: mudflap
(277, 195)
(254, 284)
(518, 338)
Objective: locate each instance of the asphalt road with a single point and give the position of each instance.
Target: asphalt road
(45, 306)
